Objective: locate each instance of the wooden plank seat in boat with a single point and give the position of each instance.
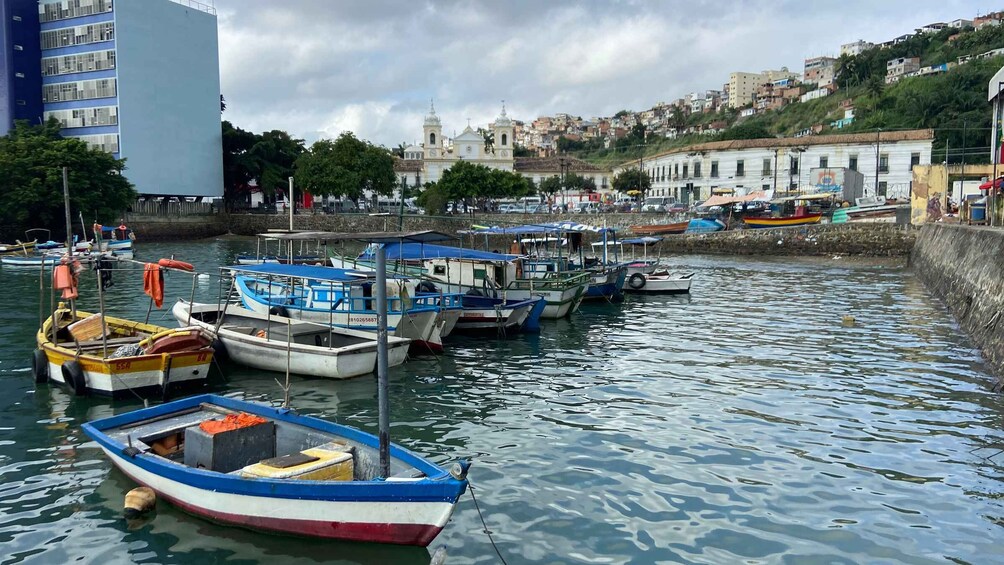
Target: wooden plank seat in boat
(112, 342)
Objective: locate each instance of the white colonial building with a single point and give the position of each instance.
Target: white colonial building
(696, 172)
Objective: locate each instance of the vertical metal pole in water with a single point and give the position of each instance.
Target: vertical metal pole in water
(69, 233)
(382, 385)
(291, 216)
(66, 204)
(101, 305)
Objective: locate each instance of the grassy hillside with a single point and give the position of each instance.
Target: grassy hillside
(953, 104)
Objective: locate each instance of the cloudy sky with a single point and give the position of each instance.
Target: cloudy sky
(317, 68)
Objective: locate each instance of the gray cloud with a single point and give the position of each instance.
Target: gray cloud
(316, 67)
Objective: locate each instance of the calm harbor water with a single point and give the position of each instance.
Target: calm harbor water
(744, 423)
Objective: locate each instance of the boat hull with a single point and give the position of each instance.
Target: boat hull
(663, 284)
(760, 223)
(377, 522)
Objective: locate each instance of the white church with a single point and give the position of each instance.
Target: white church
(427, 161)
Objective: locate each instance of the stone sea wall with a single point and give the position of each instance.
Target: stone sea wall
(857, 239)
(964, 267)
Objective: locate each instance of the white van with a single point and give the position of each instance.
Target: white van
(657, 204)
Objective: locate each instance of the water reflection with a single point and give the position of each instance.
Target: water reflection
(742, 423)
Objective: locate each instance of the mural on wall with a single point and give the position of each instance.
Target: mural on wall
(934, 207)
(827, 180)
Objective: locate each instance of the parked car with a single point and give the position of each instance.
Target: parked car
(657, 204)
(677, 207)
(586, 208)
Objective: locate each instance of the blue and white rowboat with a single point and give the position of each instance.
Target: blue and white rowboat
(410, 507)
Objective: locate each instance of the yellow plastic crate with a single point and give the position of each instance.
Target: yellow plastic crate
(334, 463)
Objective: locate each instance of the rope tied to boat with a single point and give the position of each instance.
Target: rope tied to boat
(485, 524)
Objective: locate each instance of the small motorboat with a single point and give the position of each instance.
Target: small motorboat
(131, 357)
(318, 350)
(271, 469)
(17, 248)
(660, 281)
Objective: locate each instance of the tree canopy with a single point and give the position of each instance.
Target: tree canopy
(632, 179)
(31, 179)
(466, 180)
(345, 167)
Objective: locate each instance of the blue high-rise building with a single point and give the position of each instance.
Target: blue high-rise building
(136, 78)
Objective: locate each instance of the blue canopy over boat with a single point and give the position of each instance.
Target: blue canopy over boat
(302, 271)
(647, 240)
(413, 251)
(550, 227)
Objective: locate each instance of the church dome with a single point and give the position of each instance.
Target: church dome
(503, 120)
(432, 119)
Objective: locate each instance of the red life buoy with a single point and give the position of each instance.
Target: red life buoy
(172, 264)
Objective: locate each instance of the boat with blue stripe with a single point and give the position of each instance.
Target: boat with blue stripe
(344, 298)
(256, 466)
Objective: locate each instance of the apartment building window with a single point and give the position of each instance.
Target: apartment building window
(676, 170)
(824, 162)
(914, 160)
(662, 173)
(55, 11)
(83, 62)
(714, 169)
(883, 188)
(852, 162)
(684, 170)
(765, 171)
(79, 90)
(793, 169)
(697, 170)
(765, 187)
(740, 168)
(603, 182)
(85, 117)
(108, 143)
(884, 163)
(79, 35)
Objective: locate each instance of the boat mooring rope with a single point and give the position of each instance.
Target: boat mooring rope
(483, 523)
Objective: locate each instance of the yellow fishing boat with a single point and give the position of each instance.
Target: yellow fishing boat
(121, 359)
(17, 248)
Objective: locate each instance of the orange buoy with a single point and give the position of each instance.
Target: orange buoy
(172, 264)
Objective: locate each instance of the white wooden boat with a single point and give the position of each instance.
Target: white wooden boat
(278, 471)
(317, 350)
(658, 282)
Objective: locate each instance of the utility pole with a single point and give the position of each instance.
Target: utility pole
(777, 150)
(878, 144)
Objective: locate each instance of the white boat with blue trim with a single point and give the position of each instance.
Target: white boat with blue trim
(341, 298)
(271, 469)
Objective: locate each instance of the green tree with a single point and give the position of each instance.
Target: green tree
(748, 130)
(520, 151)
(433, 199)
(31, 178)
(632, 179)
(550, 185)
(239, 166)
(274, 154)
(345, 168)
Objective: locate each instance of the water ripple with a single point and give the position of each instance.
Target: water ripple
(743, 423)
